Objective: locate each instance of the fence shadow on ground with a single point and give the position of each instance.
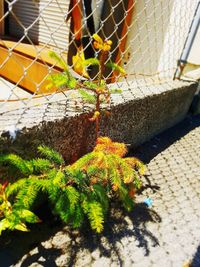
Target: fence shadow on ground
(150, 149)
(119, 225)
(196, 259)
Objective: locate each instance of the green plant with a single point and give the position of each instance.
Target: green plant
(75, 192)
(13, 217)
(93, 92)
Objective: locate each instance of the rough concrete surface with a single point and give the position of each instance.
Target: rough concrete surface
(166, 234)
(138, 113)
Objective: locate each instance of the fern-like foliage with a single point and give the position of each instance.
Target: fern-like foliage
(94, 212)
(50, 154)
(87, 97)
(61, 80)
(24, 166)
(75, 192)
(13, 218)
(59, 60)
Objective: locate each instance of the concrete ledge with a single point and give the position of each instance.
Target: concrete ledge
(140, 112)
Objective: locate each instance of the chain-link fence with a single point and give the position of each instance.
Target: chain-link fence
(147, 39)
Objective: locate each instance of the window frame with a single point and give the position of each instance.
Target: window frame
(2, 23)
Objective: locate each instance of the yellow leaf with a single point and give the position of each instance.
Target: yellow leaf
(128, 179)
(100, 44)
(97, 38)
(137, 164)
(78, 63)
(21, 227)
(142, 169)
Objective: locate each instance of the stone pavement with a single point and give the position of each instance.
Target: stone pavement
(167, 234)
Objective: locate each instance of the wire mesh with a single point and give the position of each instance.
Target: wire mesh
(148, 37)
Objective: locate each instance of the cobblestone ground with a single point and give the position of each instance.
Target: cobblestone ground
(167, 234)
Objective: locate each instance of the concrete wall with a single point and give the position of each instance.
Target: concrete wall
(137, 114)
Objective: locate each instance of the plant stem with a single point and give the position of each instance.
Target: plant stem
(97, 119)
(103, 56)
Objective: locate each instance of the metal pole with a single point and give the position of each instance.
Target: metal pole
(188, 43)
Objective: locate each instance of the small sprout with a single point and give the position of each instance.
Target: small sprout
(91, 92)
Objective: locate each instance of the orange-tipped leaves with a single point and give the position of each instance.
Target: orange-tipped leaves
(136, 164)
(106, 145)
